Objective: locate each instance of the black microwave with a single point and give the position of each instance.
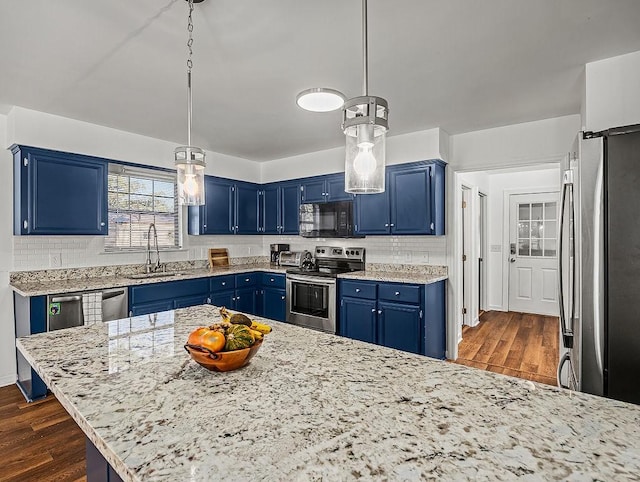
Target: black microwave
(326, 220)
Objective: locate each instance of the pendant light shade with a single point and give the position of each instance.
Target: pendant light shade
(365, 124)
(190, 160)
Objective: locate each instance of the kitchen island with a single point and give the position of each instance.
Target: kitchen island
(317, 406)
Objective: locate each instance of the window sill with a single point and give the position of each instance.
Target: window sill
(144, 251)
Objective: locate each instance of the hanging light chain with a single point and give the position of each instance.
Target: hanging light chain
(190, 41)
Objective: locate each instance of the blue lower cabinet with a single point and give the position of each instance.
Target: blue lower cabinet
(435, 332)
(399, 326)
(358, 319)
(187, 301)
(98, 469)
(274, 303)
(246, 300)
(223, 298)
(154, 307)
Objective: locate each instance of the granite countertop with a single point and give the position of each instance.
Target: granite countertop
(395, 276)
(314, 406)
(47, 287)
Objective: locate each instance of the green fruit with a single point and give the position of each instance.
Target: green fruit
(238, 337)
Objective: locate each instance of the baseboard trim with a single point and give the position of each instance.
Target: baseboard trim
(7, 380)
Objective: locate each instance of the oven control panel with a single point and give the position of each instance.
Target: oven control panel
(339, 252)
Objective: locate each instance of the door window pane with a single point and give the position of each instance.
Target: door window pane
(537, 229)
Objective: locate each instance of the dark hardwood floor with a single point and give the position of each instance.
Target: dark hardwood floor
(39, 440)
(517, 344)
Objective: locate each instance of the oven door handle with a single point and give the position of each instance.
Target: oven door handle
(310, 280)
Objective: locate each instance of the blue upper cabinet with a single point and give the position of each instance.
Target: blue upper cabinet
(289, 207)
(230, 208)
(216, 216)
(324, 189)
(413, 202)
(271, 201)
(280, 206)
(247, 205)
(57, 193)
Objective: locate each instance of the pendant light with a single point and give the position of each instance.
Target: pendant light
(189, 160)
(365, 125)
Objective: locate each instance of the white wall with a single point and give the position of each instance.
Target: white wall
(613, 92)
(7, 331)
(415, 146)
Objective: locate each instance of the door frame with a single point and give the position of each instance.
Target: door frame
(506, 234)
(483, 211)
(467, 245)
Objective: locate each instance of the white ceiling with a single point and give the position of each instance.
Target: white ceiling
(461, 65)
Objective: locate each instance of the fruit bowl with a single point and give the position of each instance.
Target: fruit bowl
(222, 361)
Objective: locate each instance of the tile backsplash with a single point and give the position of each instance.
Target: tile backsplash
(42, 252)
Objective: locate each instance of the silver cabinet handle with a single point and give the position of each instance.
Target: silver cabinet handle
(357, 290)
(102, 224)
(379, 312)
(386, 225)
(397, 293)
(224, 283)
(373, 310)
(247, 280)
(25, 224)
(272, 280)
(283, 297)
(392, 225)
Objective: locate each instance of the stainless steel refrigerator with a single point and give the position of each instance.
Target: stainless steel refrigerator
(599, 265)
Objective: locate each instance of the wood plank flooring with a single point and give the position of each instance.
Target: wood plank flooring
(522, 345)
(39, 440)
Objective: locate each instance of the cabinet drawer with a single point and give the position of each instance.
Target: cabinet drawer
(399, 292)
(358, 289)
(223, 283)
(272, 280)
(247, 279)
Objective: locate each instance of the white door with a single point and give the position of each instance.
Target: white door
(533, 272)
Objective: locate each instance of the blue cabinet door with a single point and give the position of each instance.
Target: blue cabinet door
(246, 208)
(274, 304)
(313, 190)
(57, 193)
(246, 300)
(217, 214)
(399, 326)
(358, 319)
(187, 301)
(224, 298)
(271, 209)
(411, 201)
(289, 208)
(435, 320)
(154, 307)
(335, 188)
(372, 213)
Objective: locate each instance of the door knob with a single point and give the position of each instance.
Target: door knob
(512, 260)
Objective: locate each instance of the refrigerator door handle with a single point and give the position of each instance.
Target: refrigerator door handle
(597, 275)
(567, 186)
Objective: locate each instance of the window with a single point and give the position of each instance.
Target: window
(537, 229)
(138, 198)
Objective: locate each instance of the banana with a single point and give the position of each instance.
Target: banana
(226, 316)
(256, 334)
(261, 327)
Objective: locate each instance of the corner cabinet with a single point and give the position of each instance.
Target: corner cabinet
(230, 207)
(58, 193)
(413, 202)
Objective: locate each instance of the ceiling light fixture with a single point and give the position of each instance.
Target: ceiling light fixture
(189, 160)
(320, 99)
(365, 121)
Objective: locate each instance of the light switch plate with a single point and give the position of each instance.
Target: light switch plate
(55, 260)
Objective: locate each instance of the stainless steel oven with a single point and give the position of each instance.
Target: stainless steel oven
(311, 301)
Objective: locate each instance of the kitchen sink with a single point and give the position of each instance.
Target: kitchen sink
(152, 275)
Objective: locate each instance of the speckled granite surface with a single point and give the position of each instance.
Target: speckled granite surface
(33, 285)
(400, 273)
(313, 406)
(54, 281)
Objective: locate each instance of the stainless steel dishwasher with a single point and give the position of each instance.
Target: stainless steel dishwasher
(66, 310)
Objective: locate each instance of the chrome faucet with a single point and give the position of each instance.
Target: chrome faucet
(149, 267)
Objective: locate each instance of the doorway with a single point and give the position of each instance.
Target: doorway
(533, 261)
(467, 236)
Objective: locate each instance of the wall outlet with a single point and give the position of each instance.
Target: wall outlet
(55, 260)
